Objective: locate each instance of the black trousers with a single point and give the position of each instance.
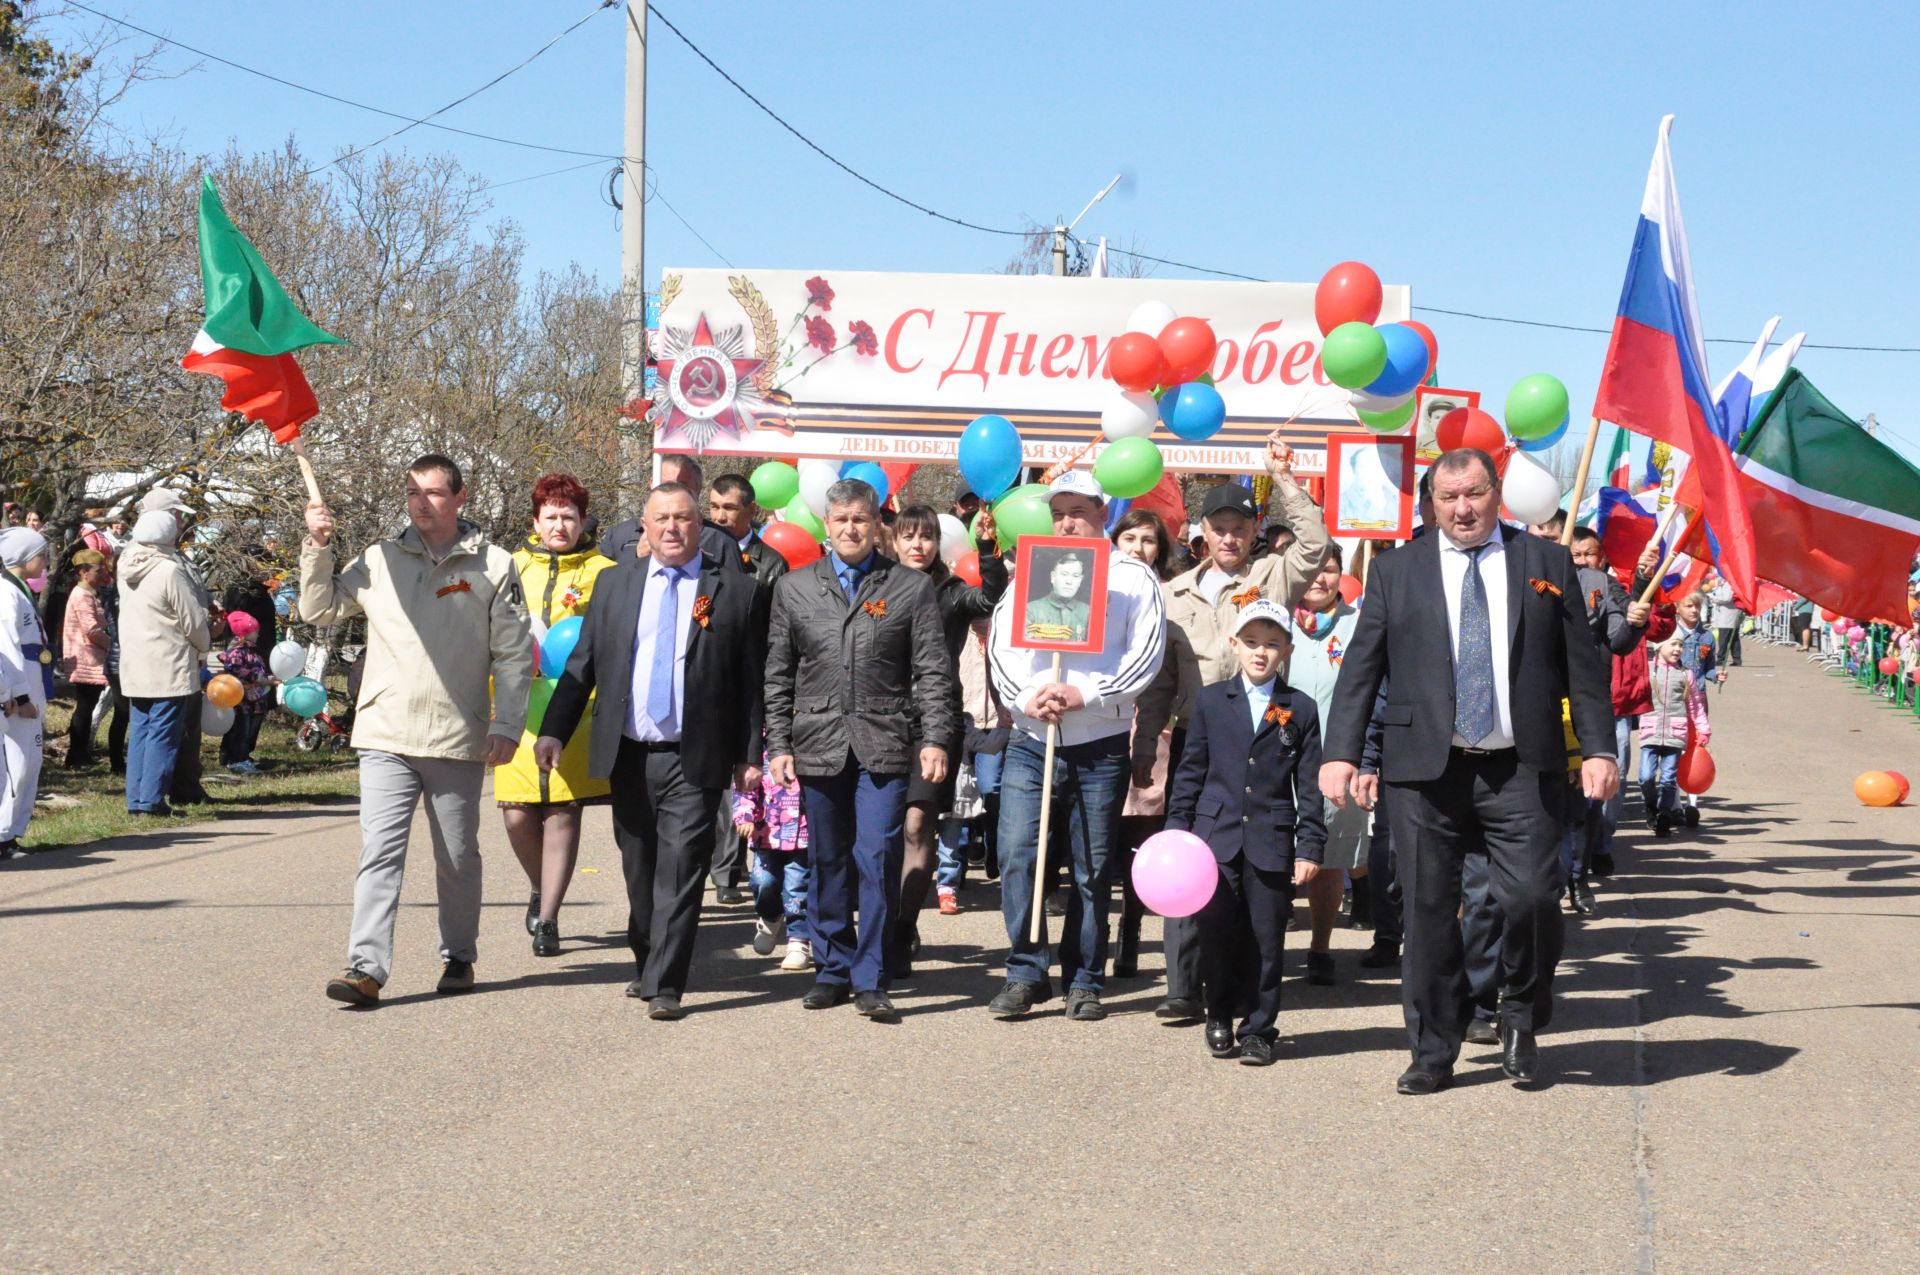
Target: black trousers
(1515, 815)
(1382, 871)
(664, 827)
(237, 744)
(1242, 932)
(117, 727)
(86, 697)
(1180, 935)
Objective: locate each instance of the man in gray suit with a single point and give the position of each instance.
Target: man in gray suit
(859, 687)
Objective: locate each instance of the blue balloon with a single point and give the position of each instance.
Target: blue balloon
(990, 456)
(1543, 443)
(870, 474)
(558, 645)
(206, 675)
(1194, 411)
(1406, 362)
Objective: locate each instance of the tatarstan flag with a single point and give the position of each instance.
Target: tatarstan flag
(1836, 512)
(251, 330)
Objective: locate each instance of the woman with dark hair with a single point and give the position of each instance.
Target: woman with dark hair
(558, 566)
(916, 539)
(1141, 534)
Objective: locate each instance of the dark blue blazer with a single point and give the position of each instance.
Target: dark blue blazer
(1248, 792)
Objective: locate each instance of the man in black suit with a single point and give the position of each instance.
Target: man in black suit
(676, 644)
(1483, 633)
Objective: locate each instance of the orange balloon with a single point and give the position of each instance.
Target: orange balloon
(1877, 788)
(226, 691)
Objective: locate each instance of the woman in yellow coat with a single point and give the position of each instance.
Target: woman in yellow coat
(558, 565)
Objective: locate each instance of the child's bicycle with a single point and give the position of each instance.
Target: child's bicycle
(327, 729)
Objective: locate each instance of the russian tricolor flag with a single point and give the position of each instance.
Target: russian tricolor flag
(1654, 381)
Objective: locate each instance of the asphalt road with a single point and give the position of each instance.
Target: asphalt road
(1733, 1075)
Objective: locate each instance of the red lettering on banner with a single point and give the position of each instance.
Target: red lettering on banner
(1026, 354)
(1056, 350)
(979, 367)
(893, 340)
(1093, 357)
(1222, 371)
(1319, 373)
(1262, 355)
(1292, 368)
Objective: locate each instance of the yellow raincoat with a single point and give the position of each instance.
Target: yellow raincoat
(557, 585)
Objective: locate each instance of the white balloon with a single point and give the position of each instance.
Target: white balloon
(1365, 402)
(287, 659)
(215, 720)
(1151, 317)
(1529, 492)
(815, 477)
(1132, 415)
(953, 538)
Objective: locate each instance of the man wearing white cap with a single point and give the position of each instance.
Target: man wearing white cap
(1092, 706)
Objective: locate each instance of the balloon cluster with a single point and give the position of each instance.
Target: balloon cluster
(1381, 364)
(798, 496)
(1881, 788)
(1161, 363)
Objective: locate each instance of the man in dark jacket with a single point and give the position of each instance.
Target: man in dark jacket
(252, 596)
(858, 688)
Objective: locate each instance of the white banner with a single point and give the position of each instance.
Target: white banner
(883, 366)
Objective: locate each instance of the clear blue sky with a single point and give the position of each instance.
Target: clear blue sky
(1493, 161)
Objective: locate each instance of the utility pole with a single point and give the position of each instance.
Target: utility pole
(636, 448)
(1059, 250)
(1873, 425)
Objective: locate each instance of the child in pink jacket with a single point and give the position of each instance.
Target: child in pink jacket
(1679, 712)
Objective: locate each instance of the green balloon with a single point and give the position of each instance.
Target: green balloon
(1354, 355)
(1129, 467)
(1535, 406)
(1022, 513)
(1388, 421)
(538, 696)
(775, 483)
(795, 511)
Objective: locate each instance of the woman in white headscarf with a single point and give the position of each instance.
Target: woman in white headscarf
(26, 680)
(163, 639)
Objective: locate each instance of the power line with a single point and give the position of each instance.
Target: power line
(814, 146)
(534, 177)
(334, 97)
(689, 225)
(524, 62)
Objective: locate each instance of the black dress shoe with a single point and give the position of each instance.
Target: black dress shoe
(1220, 1039)
(1481, 1031)
(1256, 1051)
(1422, 1079)
(1580, 894)
(1519, 1056)
(729, 894)
(1179, 1009)
(533, 911)
(665, 1009)
(546, 938)
(633, 990)
(1320, 969)
(874, 1005)
(1381, 956)
(826, 996)
(1602, 866)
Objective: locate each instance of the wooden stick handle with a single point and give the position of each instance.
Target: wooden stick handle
(1580, 480)
(1046, 822)
(1653, 586)
(298, 447)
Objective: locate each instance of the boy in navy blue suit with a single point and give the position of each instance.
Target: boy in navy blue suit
(1248, 785)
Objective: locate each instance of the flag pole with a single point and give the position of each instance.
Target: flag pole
(298, 446)
(1653, 586)
(1046, 819)
(1580, 481)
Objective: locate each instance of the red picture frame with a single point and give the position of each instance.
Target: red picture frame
(1430, 402)
(1370, 482)
(1050, 621)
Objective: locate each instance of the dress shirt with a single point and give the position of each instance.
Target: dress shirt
(646, 634)
(1493, 573)
(851, 574)
(1258, 699)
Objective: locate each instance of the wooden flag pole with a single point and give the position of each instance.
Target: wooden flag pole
(1046, 821)
(1580, 480)
(298, 446)
(1363, 560)
(1653, 586)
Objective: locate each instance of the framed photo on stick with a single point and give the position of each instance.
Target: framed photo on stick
(1370, 480)
(1430, 403)
(1060, 593)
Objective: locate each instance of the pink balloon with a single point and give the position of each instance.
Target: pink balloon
(1174, 873)
(1856, 633)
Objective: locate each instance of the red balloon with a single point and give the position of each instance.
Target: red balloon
(967, 567)
(1889, 666)
(1470, 427)
(1351, 589)
(1829, 616)
(1900, 781)
(1696, 769)
(792, 542)
(1188, 346)
(1135, 361)
(1433, 344)
(1348, 293)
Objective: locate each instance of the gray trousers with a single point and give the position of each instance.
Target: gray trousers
(390, 787)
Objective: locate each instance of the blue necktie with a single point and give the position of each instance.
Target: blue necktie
(666, 641)
(1474, 713)
(850, 583)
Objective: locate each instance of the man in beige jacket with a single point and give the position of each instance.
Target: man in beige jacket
(1202, 604)
(444, 617)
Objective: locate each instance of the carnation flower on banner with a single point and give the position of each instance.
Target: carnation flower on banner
(251, 329)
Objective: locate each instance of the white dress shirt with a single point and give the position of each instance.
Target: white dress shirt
(1259, 698)
(646, 634)
(1493, 573)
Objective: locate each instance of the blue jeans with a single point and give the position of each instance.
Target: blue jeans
(952, 850)
(1661, 767)
(153, 749)
(779, 885)
(1089, 788)
(856, 839)
(986, 769)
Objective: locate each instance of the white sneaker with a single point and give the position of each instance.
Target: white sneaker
(767, 937)
(799, 956)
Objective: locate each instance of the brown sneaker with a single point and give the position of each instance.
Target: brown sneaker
(457, 976)
(354, 987)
